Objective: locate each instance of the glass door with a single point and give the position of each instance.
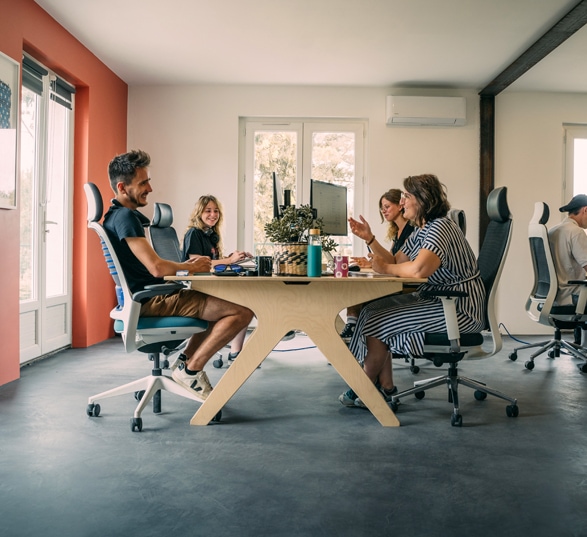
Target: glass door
(45, 200)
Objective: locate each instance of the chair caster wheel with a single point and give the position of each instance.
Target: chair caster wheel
(512, 411)
(136, 424)
(218, 417)
(415, 369)
(513, 356)
(553, 354)
(394, 406)
(456, 420)
(582, 367)
(420, 395)
(218, 363)
(93, 410)
(139, 395)
(529, 365)
(480, 396)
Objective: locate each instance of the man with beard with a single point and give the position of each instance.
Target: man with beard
(131, 183)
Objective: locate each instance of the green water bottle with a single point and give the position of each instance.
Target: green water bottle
(314, 254)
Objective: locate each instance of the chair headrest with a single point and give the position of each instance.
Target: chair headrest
(94, 199)
(497, 205)
(541, 213)
(458, 216)
(162, 215)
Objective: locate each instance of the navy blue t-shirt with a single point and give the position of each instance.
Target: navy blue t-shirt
(121, 223)
(399, 241)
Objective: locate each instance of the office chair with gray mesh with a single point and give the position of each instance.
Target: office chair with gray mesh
(450, 347)
(540, 304)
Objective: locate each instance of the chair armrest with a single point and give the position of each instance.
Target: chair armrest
(157, 289)
(450, 313)
(582, 301)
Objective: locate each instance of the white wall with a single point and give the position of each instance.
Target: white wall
(192, 136)
(530, 161)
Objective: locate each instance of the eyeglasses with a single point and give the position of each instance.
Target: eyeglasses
(406, 196)
(237, 269)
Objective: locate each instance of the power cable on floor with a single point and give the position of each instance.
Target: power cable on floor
(501, 325)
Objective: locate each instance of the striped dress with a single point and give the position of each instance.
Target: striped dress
(401, 320)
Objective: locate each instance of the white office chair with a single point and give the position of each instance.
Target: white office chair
(540, 304)
(151, 335)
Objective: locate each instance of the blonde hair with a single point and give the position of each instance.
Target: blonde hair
(196, 221)
(393, 195)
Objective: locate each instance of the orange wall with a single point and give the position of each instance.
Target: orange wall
(100, 133)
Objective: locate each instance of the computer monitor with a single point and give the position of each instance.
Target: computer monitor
(277, 197)
(330, 204)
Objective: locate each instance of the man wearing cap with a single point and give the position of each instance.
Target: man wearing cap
(568, 243)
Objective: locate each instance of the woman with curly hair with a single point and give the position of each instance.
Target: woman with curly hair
(436, 250)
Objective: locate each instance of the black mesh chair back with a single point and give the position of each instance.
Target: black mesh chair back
(451, 347)
(162, 234)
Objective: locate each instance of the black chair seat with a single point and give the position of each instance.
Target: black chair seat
(441, 339)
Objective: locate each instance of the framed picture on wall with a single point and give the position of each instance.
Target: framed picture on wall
(9, 119)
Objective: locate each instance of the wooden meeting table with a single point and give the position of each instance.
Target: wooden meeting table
(284, 303)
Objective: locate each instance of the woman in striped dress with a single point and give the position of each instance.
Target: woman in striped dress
(436, 250)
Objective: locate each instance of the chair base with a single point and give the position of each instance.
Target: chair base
(145, 389)
(553, 347)
(452, 379)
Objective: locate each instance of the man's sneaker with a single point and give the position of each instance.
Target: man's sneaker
(347, 332)
(181, 358)
(198, 383)
(233, 355)
(348, 398)
(386, 396)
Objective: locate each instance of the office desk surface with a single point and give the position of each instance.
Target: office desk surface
(283, 303)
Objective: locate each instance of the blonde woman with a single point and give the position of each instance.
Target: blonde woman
(202, 238)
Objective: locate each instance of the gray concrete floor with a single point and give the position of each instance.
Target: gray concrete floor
(287, 459)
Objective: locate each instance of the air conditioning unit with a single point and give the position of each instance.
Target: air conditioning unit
(444, 111)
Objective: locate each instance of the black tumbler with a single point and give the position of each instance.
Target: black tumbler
(264, 265)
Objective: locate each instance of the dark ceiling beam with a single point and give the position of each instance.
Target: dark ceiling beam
(574, 20)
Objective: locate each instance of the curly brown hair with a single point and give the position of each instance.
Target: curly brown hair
(431, 196)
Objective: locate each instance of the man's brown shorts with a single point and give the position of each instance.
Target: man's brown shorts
(185, 303)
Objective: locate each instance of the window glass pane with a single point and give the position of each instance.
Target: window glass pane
(27, 198)
(273, 152)
(333, 161)
(56, 197)
(580, 166)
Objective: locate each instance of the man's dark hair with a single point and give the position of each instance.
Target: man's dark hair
(123, 168)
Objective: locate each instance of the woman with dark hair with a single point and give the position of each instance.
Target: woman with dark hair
(398, 230)
(202, 238)
(436, 250)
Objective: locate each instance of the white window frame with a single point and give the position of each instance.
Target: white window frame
(305, 128)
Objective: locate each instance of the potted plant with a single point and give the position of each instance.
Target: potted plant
(289, 233)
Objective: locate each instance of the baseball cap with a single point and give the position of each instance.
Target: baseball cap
(578, 201)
